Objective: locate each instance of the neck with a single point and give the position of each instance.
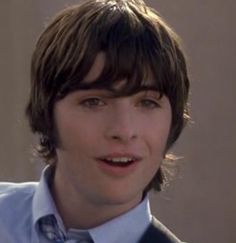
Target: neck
(79, 213)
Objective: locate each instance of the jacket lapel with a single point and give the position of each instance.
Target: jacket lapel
(158, 233)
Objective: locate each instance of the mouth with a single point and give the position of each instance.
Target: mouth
(124, 161)
(119, 164)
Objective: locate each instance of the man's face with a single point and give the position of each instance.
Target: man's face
(109, 147)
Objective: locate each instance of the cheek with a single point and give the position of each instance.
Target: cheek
(157, 138)
(157, 148)
(77, 134)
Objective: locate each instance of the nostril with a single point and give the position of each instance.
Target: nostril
(124, 137)
(115, 137)
(121, 131)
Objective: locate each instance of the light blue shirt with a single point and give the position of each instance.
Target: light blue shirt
(23, 204)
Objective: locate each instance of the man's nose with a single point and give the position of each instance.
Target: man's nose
(122, 126)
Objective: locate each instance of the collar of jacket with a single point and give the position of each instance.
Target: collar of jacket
(157, 232)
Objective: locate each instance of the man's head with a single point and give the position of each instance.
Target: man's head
(138, 46)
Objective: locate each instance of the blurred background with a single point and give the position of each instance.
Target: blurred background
(200, 204)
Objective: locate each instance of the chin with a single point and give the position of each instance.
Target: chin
(121, 199)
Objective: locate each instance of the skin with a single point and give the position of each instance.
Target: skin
(91, 124)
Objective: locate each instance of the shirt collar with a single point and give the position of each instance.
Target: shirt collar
(43, 203)
(128, 227)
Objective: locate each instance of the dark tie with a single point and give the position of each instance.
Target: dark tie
(49, 227)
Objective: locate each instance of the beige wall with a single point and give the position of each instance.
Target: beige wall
(200, 204)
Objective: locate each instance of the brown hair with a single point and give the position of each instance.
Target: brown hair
(135, 41)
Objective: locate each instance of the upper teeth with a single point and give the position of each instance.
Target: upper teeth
(120, 160)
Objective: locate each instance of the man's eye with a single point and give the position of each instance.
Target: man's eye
(149, 103)
(92, 102)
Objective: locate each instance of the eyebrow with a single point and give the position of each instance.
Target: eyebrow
(113, 93)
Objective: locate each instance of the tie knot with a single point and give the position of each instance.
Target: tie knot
(48, 226)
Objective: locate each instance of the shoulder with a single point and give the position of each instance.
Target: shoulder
(157, 232)
(9, 190)
(16, 210)
(15, 197)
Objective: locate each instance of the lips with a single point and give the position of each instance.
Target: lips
(119, 160)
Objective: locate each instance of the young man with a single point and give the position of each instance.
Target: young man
(108, 99)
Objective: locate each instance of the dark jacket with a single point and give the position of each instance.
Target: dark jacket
(158, 233)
